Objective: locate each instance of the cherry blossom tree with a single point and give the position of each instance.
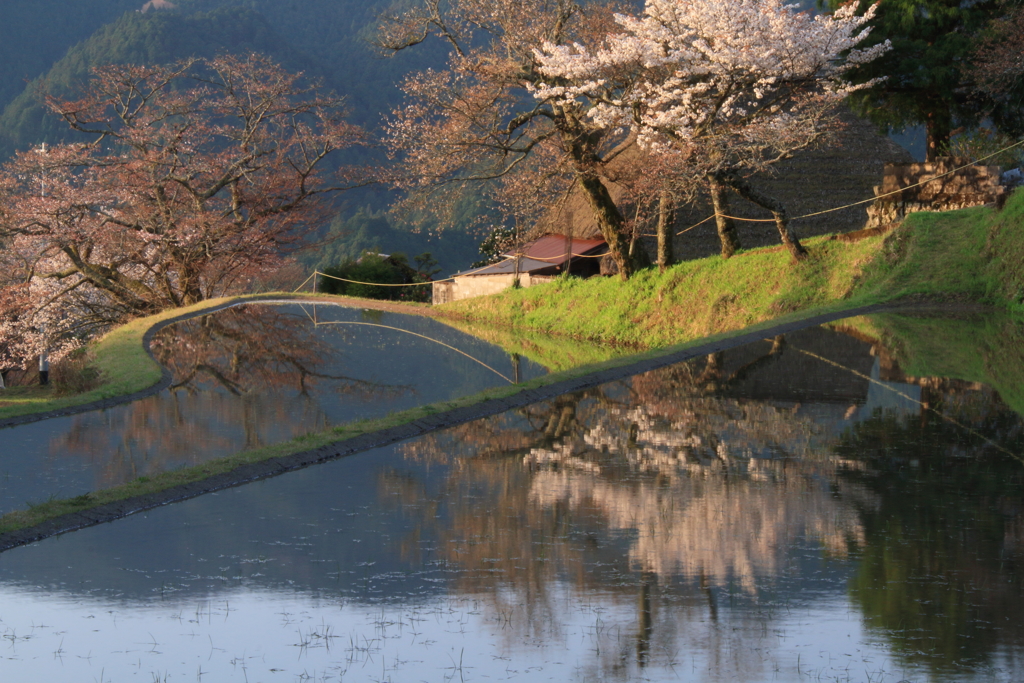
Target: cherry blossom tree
(196, 178)
(475, 124)
(731, 87)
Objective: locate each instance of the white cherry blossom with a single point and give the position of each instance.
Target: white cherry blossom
(730, 87)
(700, 68)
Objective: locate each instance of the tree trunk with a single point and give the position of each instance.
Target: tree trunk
(638, 255)
(581, 147)
(712, 369)
(609, 221)
(666, 221)
(726, 227)
(937, 127)
(788, 237)
(108, 280)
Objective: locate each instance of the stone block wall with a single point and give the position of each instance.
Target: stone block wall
(482, 285)
(908, 188)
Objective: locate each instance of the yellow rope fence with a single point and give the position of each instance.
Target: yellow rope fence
(385, 284)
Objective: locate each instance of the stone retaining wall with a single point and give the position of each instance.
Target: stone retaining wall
(470, 286)
(970, 186)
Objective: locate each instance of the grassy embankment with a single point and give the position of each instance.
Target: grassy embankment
(971, 255)
(975, 255)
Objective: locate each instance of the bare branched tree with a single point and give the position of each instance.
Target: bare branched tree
(475, 122)
(200, 176)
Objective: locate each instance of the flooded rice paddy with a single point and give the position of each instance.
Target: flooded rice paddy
(247, 377)
(800, 509)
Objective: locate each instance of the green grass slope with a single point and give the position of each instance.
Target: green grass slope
(969, 255)
(690, 300)
(974, 254)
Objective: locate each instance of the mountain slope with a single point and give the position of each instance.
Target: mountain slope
(33, 35)
(142, 38)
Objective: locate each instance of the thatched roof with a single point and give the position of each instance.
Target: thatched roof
(816, 179)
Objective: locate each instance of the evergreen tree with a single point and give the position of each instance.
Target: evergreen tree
(926, 73)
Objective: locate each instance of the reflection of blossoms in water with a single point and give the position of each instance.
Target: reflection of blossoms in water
(561, 455)
(699, 500)
(242, 378)
(701, 506)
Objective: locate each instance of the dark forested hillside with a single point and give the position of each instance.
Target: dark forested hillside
(142, 38)
(53, 45)
(50, 45)
(33, 35)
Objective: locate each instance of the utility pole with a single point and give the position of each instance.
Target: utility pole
(519, 252)
(44, 368)
(44, 361)
(568, 246)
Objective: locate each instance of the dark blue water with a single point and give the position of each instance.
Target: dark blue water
(248, 377)
(800, 509)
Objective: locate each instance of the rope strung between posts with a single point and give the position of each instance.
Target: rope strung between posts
(388, 284)
(863, 201)
(304, 282)
(555, 258)
(695, 225)
(317, 323)
(432, 282)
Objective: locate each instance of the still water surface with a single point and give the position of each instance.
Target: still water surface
(795, 510)
(247, 377)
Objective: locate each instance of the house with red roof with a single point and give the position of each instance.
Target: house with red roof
(536, 262)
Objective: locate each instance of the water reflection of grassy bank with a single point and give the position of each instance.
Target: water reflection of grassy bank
(939, 573)
(554, 353)
(971, 345)
(939, 576)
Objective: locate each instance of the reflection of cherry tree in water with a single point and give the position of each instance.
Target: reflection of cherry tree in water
(712, 487)
(240, 377)
(256, 349)
(640, 489)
